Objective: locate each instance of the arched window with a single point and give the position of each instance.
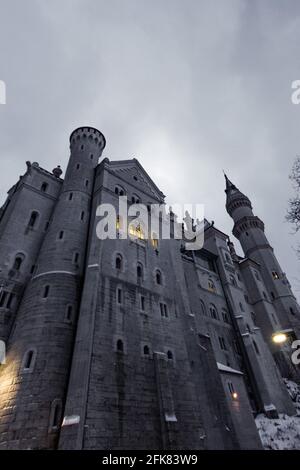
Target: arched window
(55, 415)
(158, 277)
(136, 232)
(119, 191)
(82, 216)
(213, 312)
(135, 199)
(139, 271)
(119, 262)
(225, 316)
(203, 308)
(256, 348)
(70, 196)
(273, 295)
(146, 350)
(211, 286)
(170, 355)
(33, 219)
(18, 261)
(44, 187)
(120, 346)
(46, 292)
(61, 235)
(29, 360)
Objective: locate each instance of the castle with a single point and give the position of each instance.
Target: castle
(134, 343)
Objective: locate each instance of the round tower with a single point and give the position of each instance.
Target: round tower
(40, 347)
(272, 288)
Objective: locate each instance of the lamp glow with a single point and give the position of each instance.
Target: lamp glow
(279, 338)
(235, 396)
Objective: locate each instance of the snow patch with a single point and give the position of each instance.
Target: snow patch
(282, 433)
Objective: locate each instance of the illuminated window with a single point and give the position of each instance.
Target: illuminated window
(275, 275)
(136, 232)
(211, 286)
(119, 223)
(154, 240)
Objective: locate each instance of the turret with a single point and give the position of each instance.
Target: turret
(273, 299)
(40, 347)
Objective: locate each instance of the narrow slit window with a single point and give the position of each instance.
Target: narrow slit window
(46, 292)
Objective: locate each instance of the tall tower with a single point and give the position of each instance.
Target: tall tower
(271, 294)
(40, 347)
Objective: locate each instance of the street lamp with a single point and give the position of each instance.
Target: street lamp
(280, 337)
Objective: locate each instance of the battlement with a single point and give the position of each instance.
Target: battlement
(90, 133)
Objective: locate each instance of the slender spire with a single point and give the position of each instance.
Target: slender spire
(229, 185)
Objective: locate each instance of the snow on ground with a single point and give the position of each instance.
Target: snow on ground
(282, 433)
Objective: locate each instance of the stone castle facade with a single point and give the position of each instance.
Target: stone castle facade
(134, 343)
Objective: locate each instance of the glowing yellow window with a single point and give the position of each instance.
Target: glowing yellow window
(136, 232)
(154, 240)
(119, 224)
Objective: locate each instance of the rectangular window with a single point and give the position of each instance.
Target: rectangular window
(163, 310)
(3, 297)
(222, 343)
(46, 292)
(10, 300)
(119, 296)
(142, 303)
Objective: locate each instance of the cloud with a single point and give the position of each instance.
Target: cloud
(189, 88)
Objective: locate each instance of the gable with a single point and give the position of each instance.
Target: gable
(132, 172)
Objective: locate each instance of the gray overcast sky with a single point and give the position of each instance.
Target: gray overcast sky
(188, 87)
